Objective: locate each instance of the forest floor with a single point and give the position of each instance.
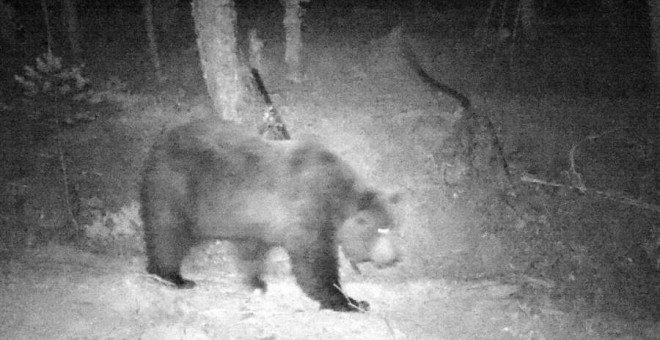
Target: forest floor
(485, 258)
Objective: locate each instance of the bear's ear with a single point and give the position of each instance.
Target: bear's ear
(366, 199)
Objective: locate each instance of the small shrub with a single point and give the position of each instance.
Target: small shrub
(49, 78)
(59, 95)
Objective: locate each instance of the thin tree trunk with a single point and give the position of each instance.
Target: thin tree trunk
(216, 41)
(482, 30)
(7, 25)
(292, 22)
(255, 45)
(49, 30)
(654, 7)
(527, 17)
(148, 14)
(614, 17)
(165, 16)
(72, 28)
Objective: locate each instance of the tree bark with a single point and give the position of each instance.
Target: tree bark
(215, 22)
(49, 29)
(654, 7)
(482, 30)
(148, 14)
(527, 18)
(165, 16)
(292, 23)
(615, 17)
(72, 28)
(7, 25)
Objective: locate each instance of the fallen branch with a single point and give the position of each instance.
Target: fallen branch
(577, 182)
(574, 176)
(620, 198)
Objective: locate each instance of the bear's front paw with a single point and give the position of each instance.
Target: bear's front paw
(179, 282)
(347, 304)
(362, 306)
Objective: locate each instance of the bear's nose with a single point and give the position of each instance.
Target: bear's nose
(383, 252)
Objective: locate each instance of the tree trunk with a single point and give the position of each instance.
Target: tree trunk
(148, 14)
(483, 29)
(7, 25)
(49, 29)
(292, 21)
(654, 7)
(216, 41)
(527, 18)
(615, 17)
(255, 45)
(165, 16)
(72, 28)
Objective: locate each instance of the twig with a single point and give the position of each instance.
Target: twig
(578, 183)
(359, 306)
(576, 177)
(620, 198)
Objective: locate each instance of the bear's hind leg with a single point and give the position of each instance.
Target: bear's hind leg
(252, 254)
(315, 267)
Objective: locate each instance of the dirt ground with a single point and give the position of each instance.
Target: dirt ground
(486, 256)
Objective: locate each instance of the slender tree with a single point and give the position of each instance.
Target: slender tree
(7, 25)
(165, 15)
(49, 29)
(148, 14)
(292, 22)
(215, 22)
(527, 19)
(614, 16)
(654, 7)
(72, 28)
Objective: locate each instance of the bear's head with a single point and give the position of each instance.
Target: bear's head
(366, 235)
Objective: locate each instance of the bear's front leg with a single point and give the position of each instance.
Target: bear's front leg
(167, 240)
(315, 266)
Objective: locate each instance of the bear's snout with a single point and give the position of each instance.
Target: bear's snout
(383, 252)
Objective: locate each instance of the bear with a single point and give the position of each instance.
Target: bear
(211, 179)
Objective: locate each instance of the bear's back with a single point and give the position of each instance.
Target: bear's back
(243, 182)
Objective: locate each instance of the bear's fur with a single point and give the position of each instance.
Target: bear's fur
(212, 180)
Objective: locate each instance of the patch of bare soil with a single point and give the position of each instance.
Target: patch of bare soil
(61, 293)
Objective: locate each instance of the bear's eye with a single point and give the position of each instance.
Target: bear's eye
(383, 231)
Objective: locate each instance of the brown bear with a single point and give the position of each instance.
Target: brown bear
(210, 179)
